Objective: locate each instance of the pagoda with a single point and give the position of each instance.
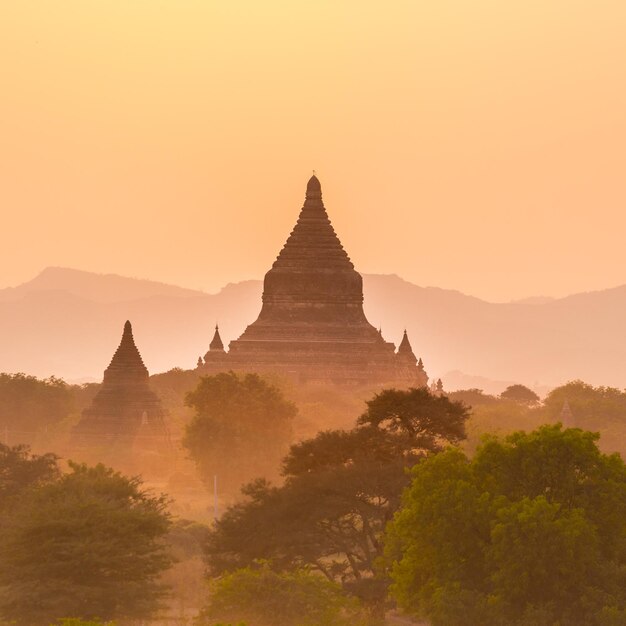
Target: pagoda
(312, 326)
(125, 410)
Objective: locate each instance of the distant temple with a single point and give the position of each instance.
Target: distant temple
(566, 417)
(312, 326)
(125, 410)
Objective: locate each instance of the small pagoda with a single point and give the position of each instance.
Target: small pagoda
(125, 411)
(312, 326)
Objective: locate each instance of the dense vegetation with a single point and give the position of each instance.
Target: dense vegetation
(86, 544)
(341, 488)
(531, 531)
(519, 529)
(28, 404)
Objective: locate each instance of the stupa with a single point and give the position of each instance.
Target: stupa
(312, 326)
(125, 410)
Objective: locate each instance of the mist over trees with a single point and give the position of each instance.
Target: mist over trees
(29, 404)
(241, 428)
(341, 488)
(319, 532)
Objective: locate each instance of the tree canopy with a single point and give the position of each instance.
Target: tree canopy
(28, 404)
(88, 545)
(341, 489)
(264, 597)
(241, 427)
(532, 530)
(520, 394)
(19, 470)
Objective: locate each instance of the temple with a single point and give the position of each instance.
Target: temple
(312, 326)
(125, 410)
(566, 417)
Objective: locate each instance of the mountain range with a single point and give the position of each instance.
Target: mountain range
(67, 323)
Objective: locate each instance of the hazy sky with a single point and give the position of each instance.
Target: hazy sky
(471, 144)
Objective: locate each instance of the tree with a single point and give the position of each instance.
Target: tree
(28, 404)
(530, 531)
(88, 545)
(263, 597)
(19, 470)
(472, 397)
(242, 427)
(341, 489)
(521, 395)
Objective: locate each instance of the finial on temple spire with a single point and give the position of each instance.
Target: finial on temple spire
(314, 188)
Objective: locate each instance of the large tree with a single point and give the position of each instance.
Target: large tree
(532, 530)
(241, 428)
(341, 489)
(88, 545)
(521, 395)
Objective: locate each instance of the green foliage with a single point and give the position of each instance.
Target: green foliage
(28, 404)
(19, 470)
(427, 421)
(241, 428)
(341, 489)
(264, 597)
(531, 531)
(520, 394)
(88, 545)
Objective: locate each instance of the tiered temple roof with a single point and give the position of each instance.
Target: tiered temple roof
(125, 407)
(312, 325)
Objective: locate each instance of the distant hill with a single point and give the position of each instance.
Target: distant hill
(68, 323)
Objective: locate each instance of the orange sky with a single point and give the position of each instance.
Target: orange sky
(471, 144)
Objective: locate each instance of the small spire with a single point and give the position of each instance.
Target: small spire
(405, 351)
(216, 344)
(405, 345)
(200, 362)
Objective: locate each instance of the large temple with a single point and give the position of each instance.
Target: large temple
(125, 412)
(312, 326)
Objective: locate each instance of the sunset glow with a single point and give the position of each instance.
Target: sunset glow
(470, 145)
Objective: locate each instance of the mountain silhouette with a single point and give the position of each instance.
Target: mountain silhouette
(66, 323)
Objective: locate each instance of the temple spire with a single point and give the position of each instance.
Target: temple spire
(405, 349)
(216, 344)
(126, 365)
(314, 188)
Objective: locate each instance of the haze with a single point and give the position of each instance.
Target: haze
(470, 145)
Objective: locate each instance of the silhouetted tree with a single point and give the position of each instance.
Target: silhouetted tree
(521, 395)
(472, 397)
(242, 427)
(88, 545)
(341, 489)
